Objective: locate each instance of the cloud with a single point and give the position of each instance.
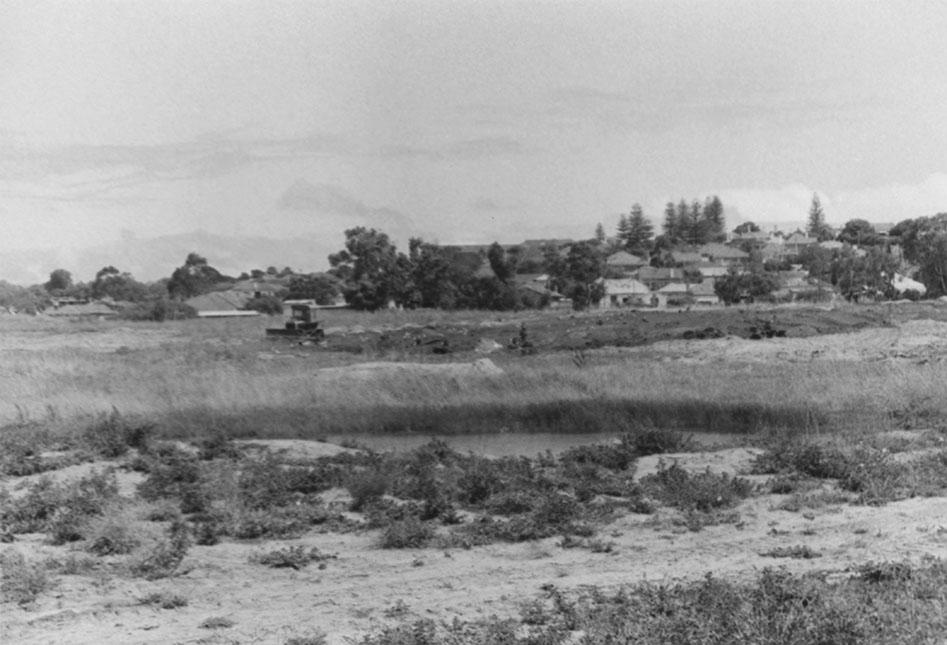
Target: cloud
(327, 199)
(463, 150)
(877, 204)
(88, 172)
(485, 204)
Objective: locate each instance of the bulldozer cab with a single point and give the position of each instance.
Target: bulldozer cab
(303, 313)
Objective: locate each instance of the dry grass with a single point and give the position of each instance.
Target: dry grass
(190, 377)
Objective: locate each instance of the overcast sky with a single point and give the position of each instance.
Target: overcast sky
(461, 121)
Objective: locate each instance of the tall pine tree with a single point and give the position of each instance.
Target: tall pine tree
(713, 216)
(671, 226)
(817, 227)
(640, 232)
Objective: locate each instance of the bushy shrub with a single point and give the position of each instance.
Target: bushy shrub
(164, 559)
(409, 533)
(293, 557)
(21, 581)
(110, 435)
(111, 535)
(695, 492)
(60, 509)
(366, 486)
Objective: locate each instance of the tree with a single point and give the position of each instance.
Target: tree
(373, 271)
(504, 267)
(600, 233)
(924, 241)
(736, 287)
(580, 273)
(858, 232)
(746, 227)
(672, 224)
(714, 222)
(624, 227)
(817, 227)
(194, 278)
(321, 288)
(638, 232)
(59, 280)
(112, 283)
(866, 275)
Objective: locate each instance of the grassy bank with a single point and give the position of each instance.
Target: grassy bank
(193, 377)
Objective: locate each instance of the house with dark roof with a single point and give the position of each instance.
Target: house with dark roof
(222, 304)
(624, 261)
(626, 292)
(703, 293)
(721, 253)
(657, 277)
(798, 241)
(686, 257)
(83, 310)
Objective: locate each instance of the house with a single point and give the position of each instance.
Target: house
(757, 238)
(625, 292)
(721, 253)
(703, 293)
(622, 261)
(686, 257)
(221, 304)
(831, 245)
(798, 241)
(657, 277)
(536, 294)
(711, 269)
(83, 310)
(774, 251)
(674, 289)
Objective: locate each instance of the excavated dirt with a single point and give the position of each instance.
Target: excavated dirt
(545, 331)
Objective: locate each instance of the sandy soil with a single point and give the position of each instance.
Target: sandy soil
(365, 587)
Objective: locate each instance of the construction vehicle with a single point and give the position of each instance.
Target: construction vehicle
(301, 326)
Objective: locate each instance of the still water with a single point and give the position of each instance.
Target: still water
(507, 444)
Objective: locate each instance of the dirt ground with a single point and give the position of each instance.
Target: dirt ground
(365, 587)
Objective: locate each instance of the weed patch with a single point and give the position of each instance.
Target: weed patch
(293, 557)
(799, 552)
(21, 581)
(695, 492)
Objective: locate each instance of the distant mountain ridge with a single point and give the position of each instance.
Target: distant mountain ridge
(149, 259)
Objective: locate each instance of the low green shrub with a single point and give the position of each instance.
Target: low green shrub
(59, 508)
(164, 600)
(366, 486)
(409, 533)
(293, 557)
(111, 535)
(111, 435)
(21, 581)
(799, 551)
(166, 556)
(703, 491)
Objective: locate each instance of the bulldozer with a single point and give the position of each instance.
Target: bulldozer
(301, 326)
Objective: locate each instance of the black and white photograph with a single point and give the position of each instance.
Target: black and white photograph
(473, 322)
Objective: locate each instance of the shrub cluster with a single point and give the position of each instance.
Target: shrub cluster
(777, 607)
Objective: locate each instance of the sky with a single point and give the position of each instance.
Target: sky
(455, 120)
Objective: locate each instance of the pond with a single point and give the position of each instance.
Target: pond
(514, 444)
